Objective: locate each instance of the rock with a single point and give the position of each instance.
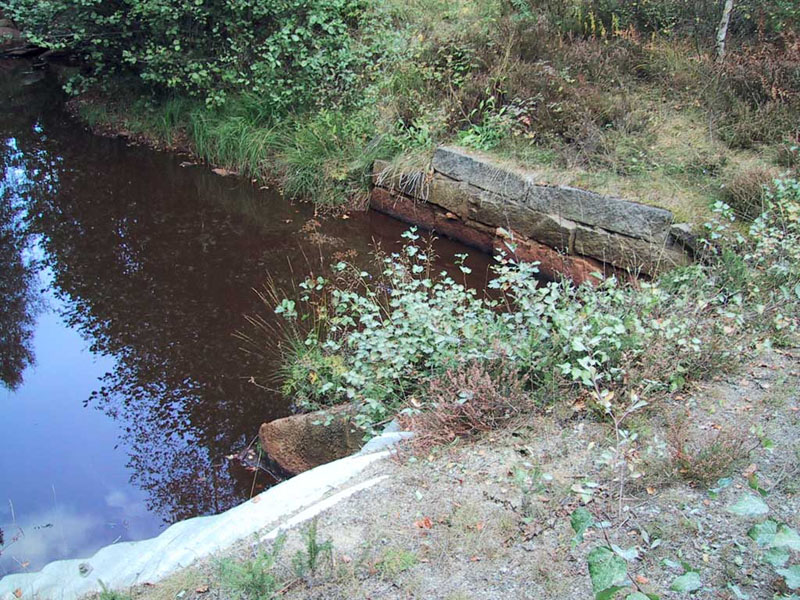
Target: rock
(631, 254)
(301, 442)
(553, 264)
(681, 234)
(613, 214)
(473, 204)
(9, 37)
(518, 189)
(476, 170)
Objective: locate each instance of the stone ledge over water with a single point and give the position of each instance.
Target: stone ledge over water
(571, 231)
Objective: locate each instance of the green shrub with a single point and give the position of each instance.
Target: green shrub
(381, 341)
(288, 53)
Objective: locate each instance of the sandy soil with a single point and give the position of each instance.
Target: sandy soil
(490, 519)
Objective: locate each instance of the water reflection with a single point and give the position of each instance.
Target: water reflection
(17, 298)
(154, 264)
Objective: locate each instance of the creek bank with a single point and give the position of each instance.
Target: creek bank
(473, 199)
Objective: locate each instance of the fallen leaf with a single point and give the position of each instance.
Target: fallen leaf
(651, 490)
(203, 589)
(424, 523)
(223, 172)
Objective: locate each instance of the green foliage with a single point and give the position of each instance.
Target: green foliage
(669, 17)
(580, 520)
(395, 561)
(288, 53)
(749, 505)
(252, 579)
(688, 582)
(378, 341)
(608, 572)
(307, 560)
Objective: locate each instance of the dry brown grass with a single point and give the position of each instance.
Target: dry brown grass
(705, 457)
(467, 400)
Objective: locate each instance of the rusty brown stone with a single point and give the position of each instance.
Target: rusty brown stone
(301, 442)
(553, 264)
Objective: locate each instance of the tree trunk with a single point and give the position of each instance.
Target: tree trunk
(722, 30)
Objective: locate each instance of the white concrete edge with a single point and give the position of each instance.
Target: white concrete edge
(320, 507)
(129, 563)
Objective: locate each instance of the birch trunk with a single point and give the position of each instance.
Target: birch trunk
(722, 30)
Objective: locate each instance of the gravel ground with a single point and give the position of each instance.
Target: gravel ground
(490, 519)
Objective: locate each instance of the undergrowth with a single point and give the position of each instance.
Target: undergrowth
(622, 97)
(411, 341)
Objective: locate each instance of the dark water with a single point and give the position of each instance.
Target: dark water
(123, 278)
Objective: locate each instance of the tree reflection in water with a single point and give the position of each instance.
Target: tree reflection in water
(155, 265)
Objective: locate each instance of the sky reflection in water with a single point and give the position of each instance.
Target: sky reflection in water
(142, 272)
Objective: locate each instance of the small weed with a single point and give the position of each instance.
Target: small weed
(307, 561)
(395, 561)
(704, 460)
(107, 594)
(252, 579)
(744, 193)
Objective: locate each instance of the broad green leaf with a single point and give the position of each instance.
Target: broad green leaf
(749, 506)
(580, 520)
(791, 575)
(688, 582)
(777, 557)
(609, 593)
(630, 554)
(786, 537)
(737, 592)
(606, 569)
(763, 533)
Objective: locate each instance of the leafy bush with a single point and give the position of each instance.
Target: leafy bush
(410, 333)
(285, 52)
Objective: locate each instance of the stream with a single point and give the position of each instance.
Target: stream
(124, 275)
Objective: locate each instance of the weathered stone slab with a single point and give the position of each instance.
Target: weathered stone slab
(634, 255)
(553, 264)
(470, 168)
(430, 217)
(590, 208)
(416, 212)
(474, 204)
(681, 235)
(613, 214)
